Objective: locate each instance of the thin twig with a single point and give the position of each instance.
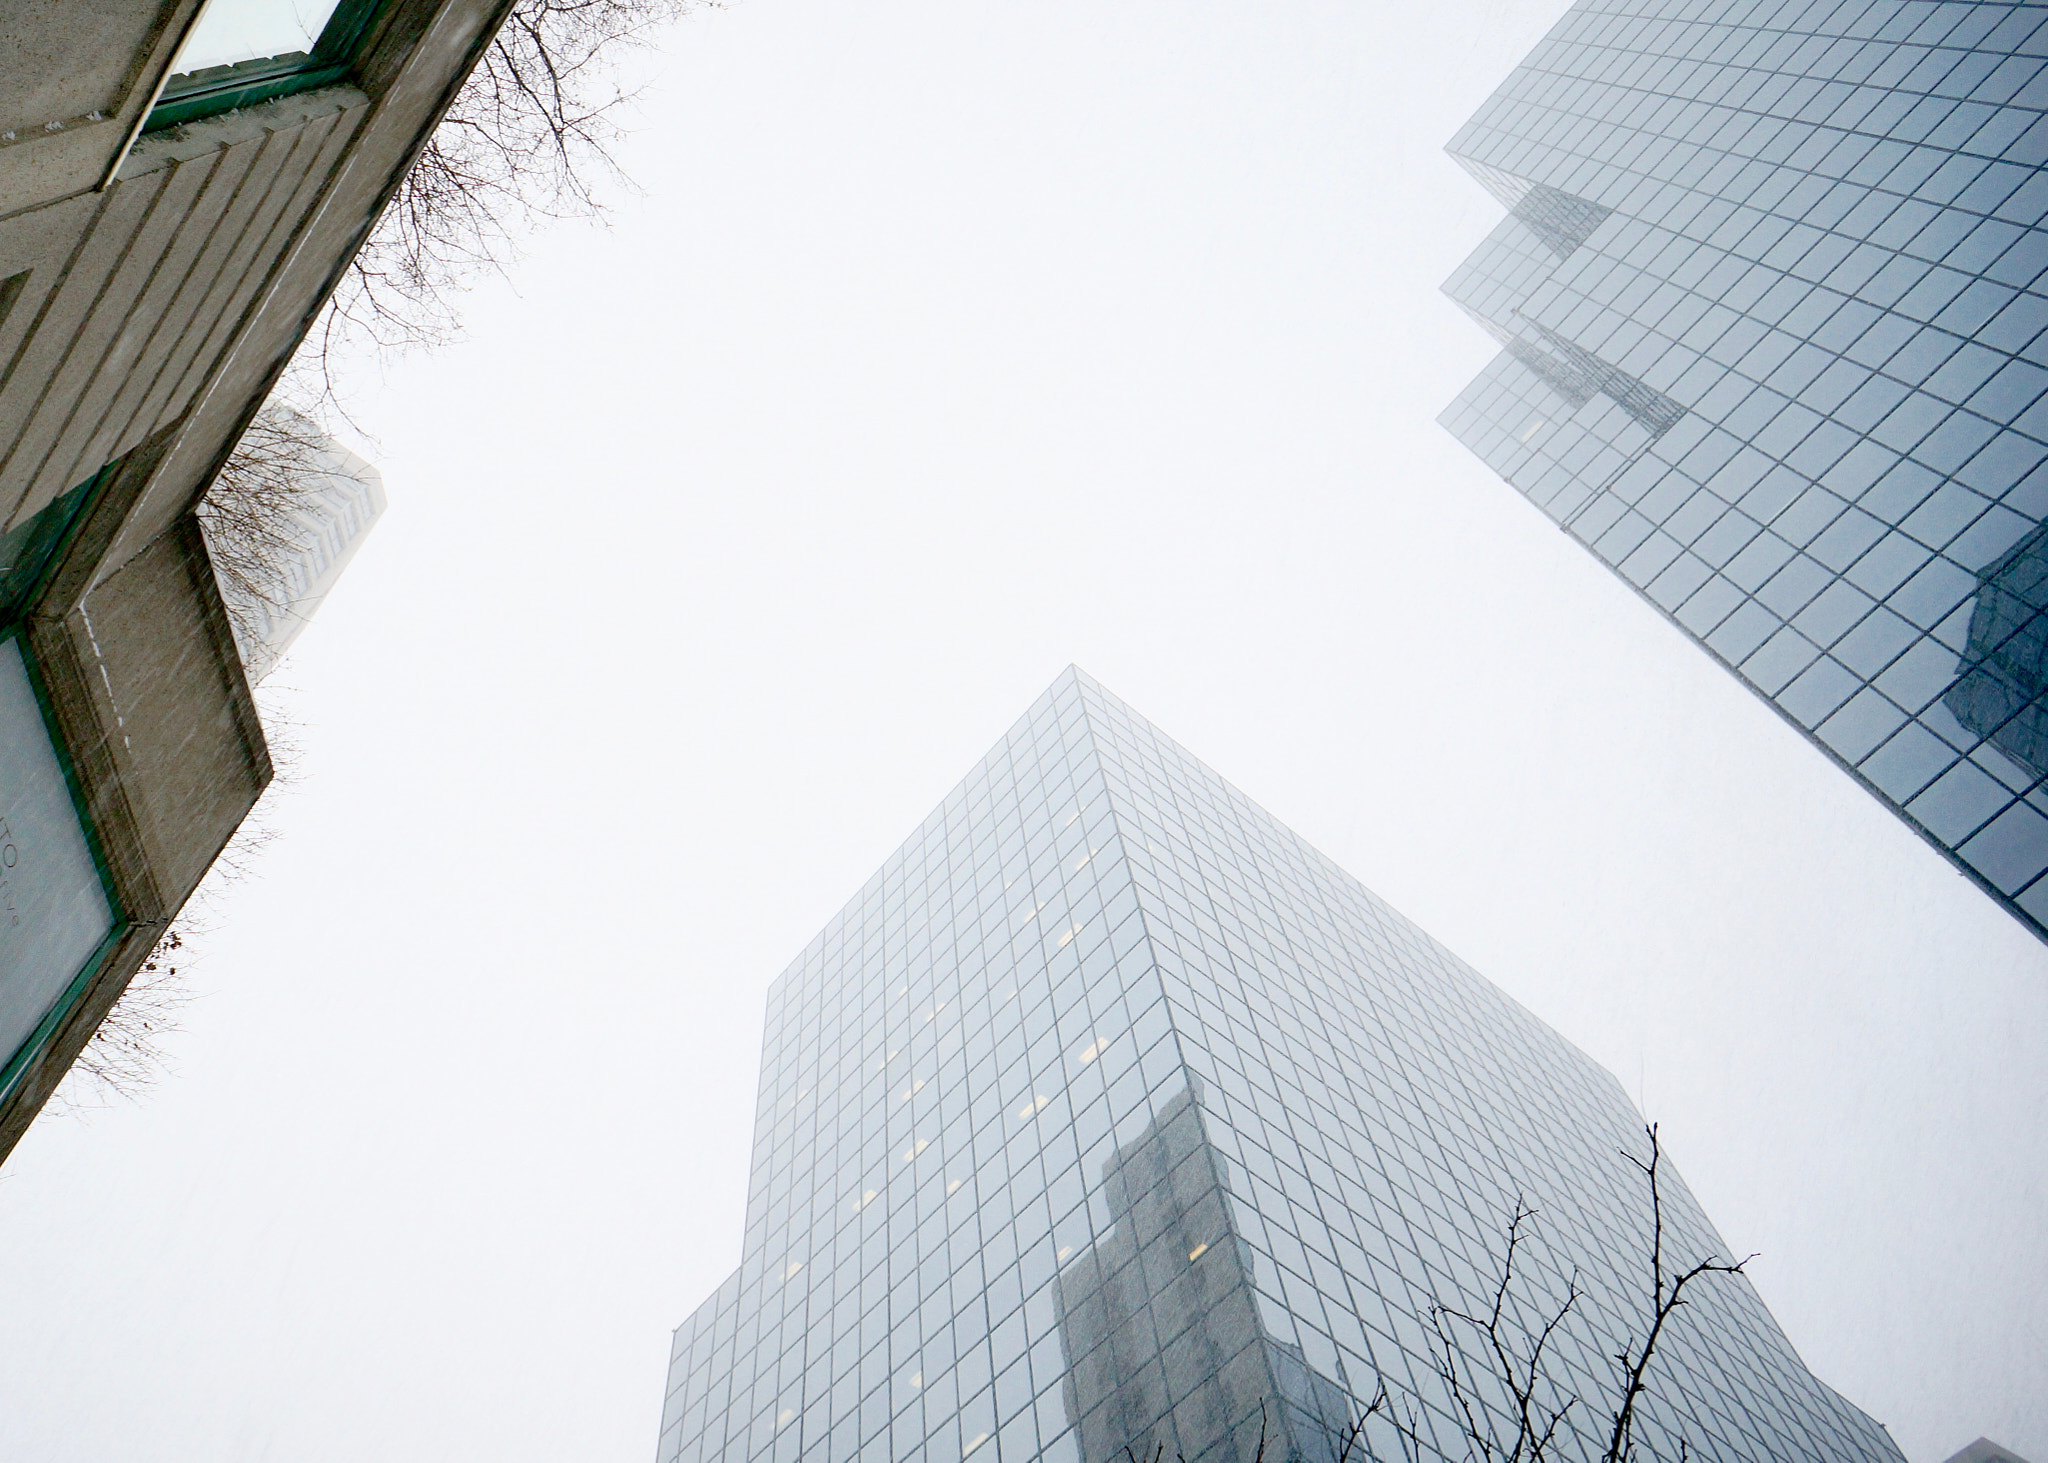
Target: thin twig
(529, 139)
(1664, 1303)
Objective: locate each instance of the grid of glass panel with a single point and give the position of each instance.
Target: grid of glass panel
(1789, 383)
(1109, 1115)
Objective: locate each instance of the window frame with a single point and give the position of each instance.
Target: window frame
(14, 1064)
(191, 96)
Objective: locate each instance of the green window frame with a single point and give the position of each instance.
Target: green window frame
(22, 1057)
(31, 549)
(190, 95)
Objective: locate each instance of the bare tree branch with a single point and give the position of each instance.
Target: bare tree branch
(1665, 1300)
(250, 513)
(1512, 1358)
(529, 138)
(1536, 1422)
(125, 1057)
(1407, 1430)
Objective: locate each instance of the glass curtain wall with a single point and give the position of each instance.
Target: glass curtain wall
(1111, 1116)
(1771, 319)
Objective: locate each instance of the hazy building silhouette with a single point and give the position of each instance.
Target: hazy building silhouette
(338, 500)
(1986, 1451)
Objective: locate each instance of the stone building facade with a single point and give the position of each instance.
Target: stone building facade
(168, 232)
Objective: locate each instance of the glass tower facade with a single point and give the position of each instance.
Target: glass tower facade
(1770, 307)
(1110, 1117)
(307, 543)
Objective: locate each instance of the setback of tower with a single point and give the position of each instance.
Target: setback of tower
(1109, 1115)
(1771, 321)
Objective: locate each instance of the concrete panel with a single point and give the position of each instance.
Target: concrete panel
(237, 179)
(105, 342)
(165, 251)
(416, 92)
(74, 74)
(246, 219)
(214, 215)
(62, 60)
(55, 337)
(244, 155)
(266, 228)
(83, 697)
(140, 405)
(41, 247)
(190, 752)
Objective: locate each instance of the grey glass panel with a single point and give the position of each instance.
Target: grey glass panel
(53, 910)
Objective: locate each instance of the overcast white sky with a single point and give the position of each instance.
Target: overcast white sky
(950, 342)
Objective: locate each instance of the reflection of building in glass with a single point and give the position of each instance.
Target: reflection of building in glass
(1111, 1115)
(1770, 310)
(2005, 667)
(1162, 1333)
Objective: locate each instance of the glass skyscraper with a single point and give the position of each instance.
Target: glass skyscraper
(306, 542)
(1111, 1116)
(1770, 310)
